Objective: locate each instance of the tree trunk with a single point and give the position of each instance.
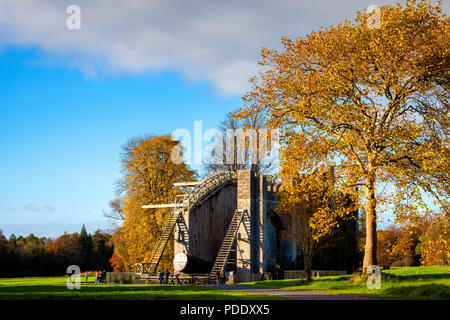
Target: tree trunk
(307, 260)
(370, 252)
(308, 272)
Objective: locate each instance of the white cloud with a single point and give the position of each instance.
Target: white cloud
(216, 40)
(31, 207)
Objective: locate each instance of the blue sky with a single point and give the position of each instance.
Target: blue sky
(61, 133)
(70, 98)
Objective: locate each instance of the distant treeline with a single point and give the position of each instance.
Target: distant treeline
(33, 256)
(424, 242)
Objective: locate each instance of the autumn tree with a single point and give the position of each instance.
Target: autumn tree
(311, 208)
(64, 251)
(370, 100)
(117, 263)
(434, 246)
(148, 177)
(386, 239)
(42, 256)
(403, 251)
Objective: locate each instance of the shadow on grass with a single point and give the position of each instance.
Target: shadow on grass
(100, 288)
(293, 283)
(123, 292)
(396, 286)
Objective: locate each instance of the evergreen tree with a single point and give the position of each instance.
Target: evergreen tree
(86, 246)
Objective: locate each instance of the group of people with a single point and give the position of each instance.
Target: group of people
(100, 277)
(165, 275)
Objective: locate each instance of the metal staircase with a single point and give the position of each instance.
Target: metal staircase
(184, 230)
(200, 193)
(230, 237)
(162, 243)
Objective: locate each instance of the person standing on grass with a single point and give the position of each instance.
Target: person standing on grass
(161, 277)
(218, 277)
(103, 279)
(167, 276)
(86, 277)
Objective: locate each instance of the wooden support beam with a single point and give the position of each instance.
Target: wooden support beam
(187, 184)
(156, 206)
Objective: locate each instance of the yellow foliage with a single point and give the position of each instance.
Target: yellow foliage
(371, 102)
(435, 242)
(149, 175)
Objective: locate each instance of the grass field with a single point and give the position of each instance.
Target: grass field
(55, 288)
(396, 283)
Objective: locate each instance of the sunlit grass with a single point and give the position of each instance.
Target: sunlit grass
(396, 283)
(55, 288)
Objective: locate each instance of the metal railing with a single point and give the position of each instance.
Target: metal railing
(300, 274)
(208, 188)
(200, 193)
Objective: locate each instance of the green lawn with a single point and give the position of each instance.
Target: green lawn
(55, 288)
(397, 283)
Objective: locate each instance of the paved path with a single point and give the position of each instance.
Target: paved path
(293, 294)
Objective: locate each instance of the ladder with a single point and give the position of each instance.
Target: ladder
(162, 243)
(183, 229)
(230, 237)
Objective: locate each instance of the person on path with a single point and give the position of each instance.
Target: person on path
(161, 277)
(223, 278)
(167, 276)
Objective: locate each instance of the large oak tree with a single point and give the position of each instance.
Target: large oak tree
(370, 100)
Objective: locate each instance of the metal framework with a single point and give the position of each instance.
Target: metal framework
(230, 237)
(202, 191)
(208, 188)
